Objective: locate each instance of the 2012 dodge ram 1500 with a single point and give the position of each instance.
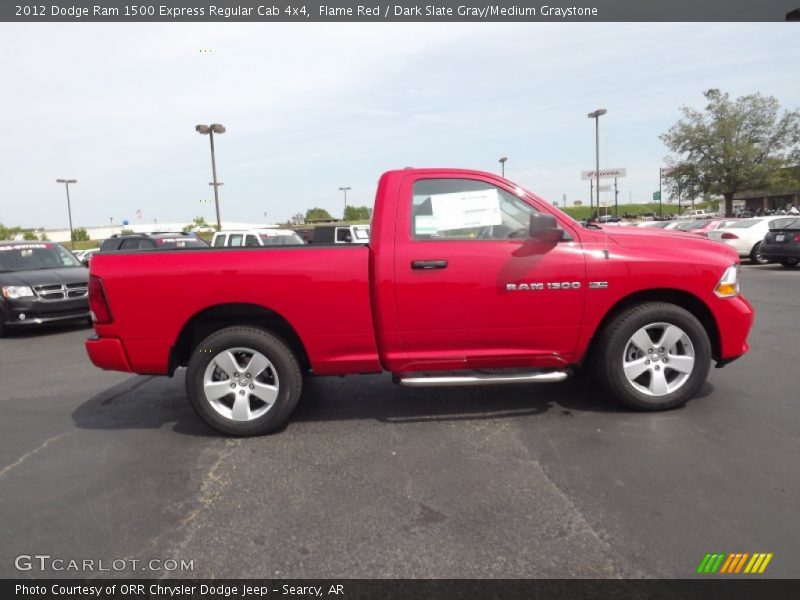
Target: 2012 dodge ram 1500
(467, 279)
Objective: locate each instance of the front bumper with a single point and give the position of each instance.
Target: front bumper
(34, 311)
(734, 318)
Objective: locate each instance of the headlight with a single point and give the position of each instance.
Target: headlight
(16, 291)
(728, 285)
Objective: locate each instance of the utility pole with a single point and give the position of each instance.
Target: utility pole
(502, 162)
(210, 130)
(66, 183)
(344, 189)
(596, 116)
(616, 196)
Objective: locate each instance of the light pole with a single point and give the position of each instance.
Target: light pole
(210, 130)
(66, 183)
(596, 116)
(344, 189)
(502, 162)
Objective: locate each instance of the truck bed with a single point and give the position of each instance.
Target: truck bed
(153, 295)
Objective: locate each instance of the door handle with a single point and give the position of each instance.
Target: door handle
(427, 265)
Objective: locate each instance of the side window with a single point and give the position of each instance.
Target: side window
(235, 239)
(130, 244)
(343, 235)
(466, 209)
(250, 240)
(219, 241)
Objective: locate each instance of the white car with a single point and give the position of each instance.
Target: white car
(745, 236)
(256, 237)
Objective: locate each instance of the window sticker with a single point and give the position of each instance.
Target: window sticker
(425, 225)
(463, 210)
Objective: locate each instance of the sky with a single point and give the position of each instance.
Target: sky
(311, 107)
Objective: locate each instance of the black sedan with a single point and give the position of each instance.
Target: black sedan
(41, 282)
(782, 242)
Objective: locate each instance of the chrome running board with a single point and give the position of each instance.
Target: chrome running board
(455, 380)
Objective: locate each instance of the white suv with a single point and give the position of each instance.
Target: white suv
(255, 238)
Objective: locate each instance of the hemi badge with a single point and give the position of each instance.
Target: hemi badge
(598, 285)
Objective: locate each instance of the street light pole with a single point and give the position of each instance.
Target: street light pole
(596, 116)
(210, 130)
(344, 189)
(502, 162)
(66, 183)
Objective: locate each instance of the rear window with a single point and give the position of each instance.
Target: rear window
(790, 223)
(744, 224)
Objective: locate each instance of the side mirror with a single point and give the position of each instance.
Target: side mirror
(85, 262)
(544, 228)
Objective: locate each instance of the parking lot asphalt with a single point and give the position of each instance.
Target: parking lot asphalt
(374, 480)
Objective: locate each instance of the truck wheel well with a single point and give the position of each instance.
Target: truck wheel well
(678, 297)
(214, 318)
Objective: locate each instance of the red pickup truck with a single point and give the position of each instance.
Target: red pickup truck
(467, 279)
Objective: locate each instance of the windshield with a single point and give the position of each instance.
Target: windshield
(182, 242)
(29, 257)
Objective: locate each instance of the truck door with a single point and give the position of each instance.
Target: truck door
(472, 289)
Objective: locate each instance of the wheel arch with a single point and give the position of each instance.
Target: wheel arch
(682, 298)
(213, 318)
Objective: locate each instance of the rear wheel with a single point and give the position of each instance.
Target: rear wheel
(654, 356)
(756, 257)
(789, 263)
(243, 381)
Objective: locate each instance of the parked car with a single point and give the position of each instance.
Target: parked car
(745, 237)
(654, 224)
(697, 214)
(150, 241)
(782, 242)
(41, 282)
(341, 234)
(468, 279)
(85, 255)
(256, 237)
(702, 226)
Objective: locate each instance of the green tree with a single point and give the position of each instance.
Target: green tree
(80, 235)
(316, 213)
(127, 231)
(357, 213)
(43, 237)
(732, 145)
(30, 236)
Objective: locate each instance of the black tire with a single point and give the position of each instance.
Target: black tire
(282, 360)
(789, 263)
(755, 255)
(613, 343)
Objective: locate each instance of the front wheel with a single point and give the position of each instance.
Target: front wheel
(755, 255)
(243, 381)
(654, 356)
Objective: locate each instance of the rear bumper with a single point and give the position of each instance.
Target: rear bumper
(734, 320)
(780, 251)
(107, 353)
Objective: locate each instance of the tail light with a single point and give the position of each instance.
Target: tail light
(98, 304)
(729, 236)
(797, 238)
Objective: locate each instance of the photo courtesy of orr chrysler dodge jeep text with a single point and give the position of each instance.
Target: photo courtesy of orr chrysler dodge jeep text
(467, 279)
